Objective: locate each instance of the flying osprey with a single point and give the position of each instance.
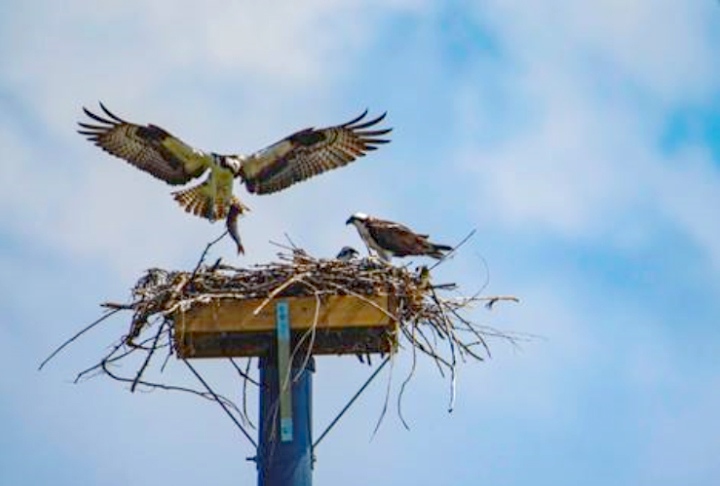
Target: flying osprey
(295, 158)
(390, 239)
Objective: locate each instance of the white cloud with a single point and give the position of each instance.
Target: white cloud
(92, 205)
(134, 52)
(664, 48)
(579, 154)
(572, 152)
(567, 174)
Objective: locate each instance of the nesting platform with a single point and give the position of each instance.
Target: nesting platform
(331, 324)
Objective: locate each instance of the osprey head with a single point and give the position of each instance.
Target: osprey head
(357, 217)
(346, 254)
(233, 163)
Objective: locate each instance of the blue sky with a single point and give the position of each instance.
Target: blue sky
(581, 140)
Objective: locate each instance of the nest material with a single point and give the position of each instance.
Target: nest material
(422, 315)
(431, 322)
(160, 292)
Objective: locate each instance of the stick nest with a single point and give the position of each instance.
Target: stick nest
(422, 314)
(431, 318)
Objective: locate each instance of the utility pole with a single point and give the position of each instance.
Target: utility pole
(285, 460)
(284, 456)
(262, 328)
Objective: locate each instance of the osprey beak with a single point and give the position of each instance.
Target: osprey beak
(357, 217)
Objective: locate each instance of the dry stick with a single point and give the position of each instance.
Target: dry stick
(311, 331)
(244, 392)
(283, 246)
(451, 340)
(454, 249)
(205, 252)
(170, 335)
(149, 355)
(427, 351)
(430, 351)
(283, 286)
(244, 374)
(491, 301)
(219, 400)
(473, 330)
(387, 397)
(113, 356)
(201, 260)
(487, 277)
(76, 336)
(116, 306)
(404, 384)
(162, 386)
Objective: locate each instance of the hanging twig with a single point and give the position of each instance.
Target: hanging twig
(77, 335)
(433, 324)
(387, 397)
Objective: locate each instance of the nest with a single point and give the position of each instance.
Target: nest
(429, 319)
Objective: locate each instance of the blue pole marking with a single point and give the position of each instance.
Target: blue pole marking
(282, 318)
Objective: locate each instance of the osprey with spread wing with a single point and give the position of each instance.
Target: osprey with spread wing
(295, 158)
(391, 239)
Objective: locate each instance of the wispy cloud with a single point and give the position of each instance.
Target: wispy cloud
(596, 89)
(544, 125)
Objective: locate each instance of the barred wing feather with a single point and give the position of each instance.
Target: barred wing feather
(149, 148)
(310, 152)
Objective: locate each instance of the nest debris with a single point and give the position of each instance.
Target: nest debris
(430, 322)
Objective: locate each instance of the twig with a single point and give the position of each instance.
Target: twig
(204, 254)
(387, 398)
(77, 335)
(220, 402)
(148, 356)
(404, 384)
(454, 249)
(430, 320)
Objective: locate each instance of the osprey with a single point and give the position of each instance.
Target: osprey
(346, 254)
(390, 239)
(295, 158)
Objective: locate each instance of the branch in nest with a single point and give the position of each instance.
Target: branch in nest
(433, 325)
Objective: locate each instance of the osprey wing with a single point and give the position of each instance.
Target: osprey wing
(309, 152)
(395, 237)
(149, 148)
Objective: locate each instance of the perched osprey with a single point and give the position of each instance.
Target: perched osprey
(295, 158)
(346, 254)
(390, 239)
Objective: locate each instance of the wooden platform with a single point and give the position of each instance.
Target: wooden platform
(231, 327)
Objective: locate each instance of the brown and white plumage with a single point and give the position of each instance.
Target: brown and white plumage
(391, 239)
(309, 152)
(302, 155)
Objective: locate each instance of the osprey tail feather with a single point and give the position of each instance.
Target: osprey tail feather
(438, 251)
(205, 200)
(197, 200)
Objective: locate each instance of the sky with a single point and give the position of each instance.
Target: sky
(580, 140)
